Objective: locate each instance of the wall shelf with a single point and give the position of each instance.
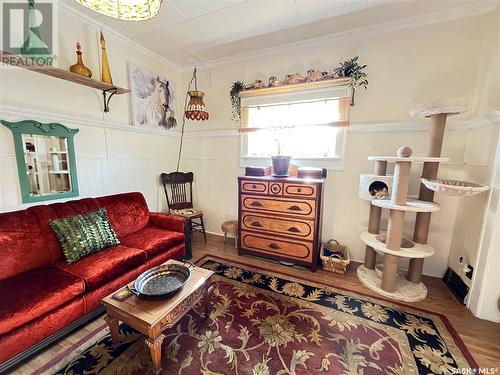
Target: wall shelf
(107, 90)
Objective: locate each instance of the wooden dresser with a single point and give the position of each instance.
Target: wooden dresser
(280, 218)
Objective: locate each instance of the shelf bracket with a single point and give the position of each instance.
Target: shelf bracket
(106, 100)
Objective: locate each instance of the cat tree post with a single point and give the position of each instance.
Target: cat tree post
(380, 169)
(395, 228)
(438, 113)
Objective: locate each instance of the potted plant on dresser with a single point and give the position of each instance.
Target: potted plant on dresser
(280, 162)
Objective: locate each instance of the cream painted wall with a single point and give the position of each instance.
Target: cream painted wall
(111, 156)
(480, 150)
(485, 296)
(405, 67)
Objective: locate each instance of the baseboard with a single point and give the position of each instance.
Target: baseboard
(18, 358)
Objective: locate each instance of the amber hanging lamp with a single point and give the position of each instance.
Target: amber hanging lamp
(195, 109)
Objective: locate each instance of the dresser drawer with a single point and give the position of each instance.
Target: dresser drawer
(300, 190)
(271, 245)
(302, 229)
(258, 187)
(275, 188)
(301, 208)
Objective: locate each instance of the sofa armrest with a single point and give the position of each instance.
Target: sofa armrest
(167, 221)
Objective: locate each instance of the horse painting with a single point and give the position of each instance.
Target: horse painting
(151, 99)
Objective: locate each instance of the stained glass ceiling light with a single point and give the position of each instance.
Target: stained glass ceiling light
(127, 10)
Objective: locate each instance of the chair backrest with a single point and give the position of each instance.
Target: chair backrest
(178, 188)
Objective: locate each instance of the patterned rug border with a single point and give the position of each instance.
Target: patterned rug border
(453, 333)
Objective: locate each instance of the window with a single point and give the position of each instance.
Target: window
(303, 125)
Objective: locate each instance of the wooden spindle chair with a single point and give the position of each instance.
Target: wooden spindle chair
(178, 188)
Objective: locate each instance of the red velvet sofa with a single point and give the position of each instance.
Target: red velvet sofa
(42, 295)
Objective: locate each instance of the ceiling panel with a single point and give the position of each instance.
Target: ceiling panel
(269, 12)
(168, 40)
(389, 12)
(236, 20)
(196, 8)
(204, 29)
(343, 23)
(305, 7)
(167, 16)
(436, 5)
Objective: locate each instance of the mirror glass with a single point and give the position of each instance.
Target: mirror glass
(47, 166)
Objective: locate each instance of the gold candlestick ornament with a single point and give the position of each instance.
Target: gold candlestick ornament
(106, 72)
(79, 67)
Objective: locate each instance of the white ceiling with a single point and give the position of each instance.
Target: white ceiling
(187, 31)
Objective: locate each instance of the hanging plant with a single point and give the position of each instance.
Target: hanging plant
(351, 69)
(236, 88)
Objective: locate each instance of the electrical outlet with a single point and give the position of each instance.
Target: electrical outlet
(469, 272)
(465, 269)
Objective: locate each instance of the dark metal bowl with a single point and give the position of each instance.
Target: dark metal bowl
(162, 281)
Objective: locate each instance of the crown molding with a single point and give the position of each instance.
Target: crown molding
(16, 113)
(70, 11)
(464, 11)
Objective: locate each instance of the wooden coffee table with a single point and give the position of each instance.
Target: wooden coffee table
(153, 317)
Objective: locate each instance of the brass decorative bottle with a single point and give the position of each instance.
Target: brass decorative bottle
(106, 72)
(79, 67)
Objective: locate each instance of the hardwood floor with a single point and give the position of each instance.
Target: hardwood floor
(481, 337)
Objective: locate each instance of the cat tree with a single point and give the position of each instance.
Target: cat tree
(386, 279)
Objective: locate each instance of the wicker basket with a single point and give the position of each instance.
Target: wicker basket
(338, 262)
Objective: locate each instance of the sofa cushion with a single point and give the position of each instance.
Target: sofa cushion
(153, 240)
(76, 207)
(22, 246)
(128, 212)
(99, 268)
(31, 294)
(82, 235)
(44, 214)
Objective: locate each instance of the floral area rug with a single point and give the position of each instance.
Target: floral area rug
(264, 323)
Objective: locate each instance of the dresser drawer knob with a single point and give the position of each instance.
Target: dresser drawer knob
(256, 224)
(293, 230)
(254, 186)
(256, 204)
(295, 208)
(274, 246)
(299, 190)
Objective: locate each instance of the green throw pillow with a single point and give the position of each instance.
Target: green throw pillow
(82, 235)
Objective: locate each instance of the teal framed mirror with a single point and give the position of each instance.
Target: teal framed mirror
(46, 164)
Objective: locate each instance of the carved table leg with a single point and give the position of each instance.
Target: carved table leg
(154, 345)
(208, 289)
(114, 328)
